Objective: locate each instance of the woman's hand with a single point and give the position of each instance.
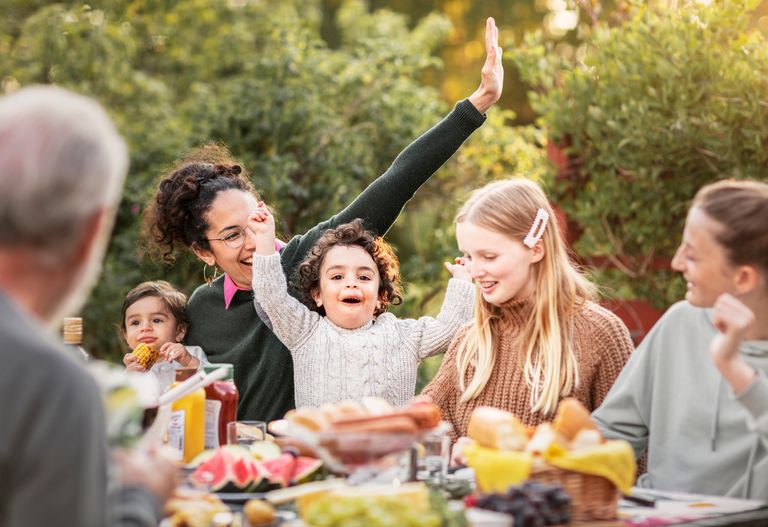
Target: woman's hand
(492, 79)
(262, 224)
(732, 319)
(459, 270)
(132, 363)
(173, 351)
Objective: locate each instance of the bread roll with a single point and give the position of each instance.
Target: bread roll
(494, 428)
(376, 406)
(350, 409)
(259, 512)
(571, 417)
(543, 438)
(586, 438)
(310, 418)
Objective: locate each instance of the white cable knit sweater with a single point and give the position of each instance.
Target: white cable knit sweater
(378, 359)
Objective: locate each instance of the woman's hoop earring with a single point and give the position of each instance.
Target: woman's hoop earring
(209, 279)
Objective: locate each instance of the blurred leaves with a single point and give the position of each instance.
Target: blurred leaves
(648, 112)
(313, 123)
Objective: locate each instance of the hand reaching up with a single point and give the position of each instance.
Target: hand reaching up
(458, 270)
(492, 75)
(262, 224)
(732, 319)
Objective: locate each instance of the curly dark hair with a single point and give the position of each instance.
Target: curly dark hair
(176, 216)
(348, 234)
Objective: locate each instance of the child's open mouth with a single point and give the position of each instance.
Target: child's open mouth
(351, 300)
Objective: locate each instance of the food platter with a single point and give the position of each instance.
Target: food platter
(239, 498)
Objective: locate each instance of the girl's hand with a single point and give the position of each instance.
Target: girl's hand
(132, 363)
(492, 78)
(732, 319)
(457, 454)
(459, 270)
(262, 224)
(174, 351)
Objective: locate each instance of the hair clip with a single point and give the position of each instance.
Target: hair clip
(537, 229)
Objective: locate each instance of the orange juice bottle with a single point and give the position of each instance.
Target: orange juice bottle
(186, 430)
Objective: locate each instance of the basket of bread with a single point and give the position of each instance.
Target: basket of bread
(351, 434)
(569, 451)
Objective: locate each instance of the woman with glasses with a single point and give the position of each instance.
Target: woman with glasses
(204, 204)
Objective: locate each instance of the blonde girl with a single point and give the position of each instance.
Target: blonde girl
(537, 334)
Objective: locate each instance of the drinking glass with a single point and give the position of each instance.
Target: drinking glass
(246, 432)
(436, 454)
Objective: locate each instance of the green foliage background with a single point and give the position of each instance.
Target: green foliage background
(649, 111)
(316, 97)
(313, 123)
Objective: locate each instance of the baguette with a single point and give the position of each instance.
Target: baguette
(382, 423)
(571, 417)
(494, 428)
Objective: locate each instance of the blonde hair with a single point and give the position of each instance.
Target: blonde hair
(509, 207)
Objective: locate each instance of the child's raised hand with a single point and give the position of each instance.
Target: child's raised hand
(459, 270)
(132, 363)
(262, 224)
(174, 351)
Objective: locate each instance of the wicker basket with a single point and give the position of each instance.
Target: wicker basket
(592, 497)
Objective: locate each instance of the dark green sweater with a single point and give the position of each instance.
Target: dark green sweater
(263, 366)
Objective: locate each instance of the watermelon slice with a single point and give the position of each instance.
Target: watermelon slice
(228, 471)
(281, 469)
(306, 469)
(290, 469)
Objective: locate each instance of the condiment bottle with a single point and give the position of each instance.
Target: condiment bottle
(220, 406)
(72, 334)
(186, 430)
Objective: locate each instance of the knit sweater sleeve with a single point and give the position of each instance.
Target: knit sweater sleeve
(613, 347)
(443, 389)
(292, 321)
(428, 336)
(381, 202)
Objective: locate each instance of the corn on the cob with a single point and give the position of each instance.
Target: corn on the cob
(146, 354)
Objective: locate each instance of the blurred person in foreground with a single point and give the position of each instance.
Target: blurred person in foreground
(62, 167)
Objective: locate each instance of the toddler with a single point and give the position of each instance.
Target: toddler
(155, 313)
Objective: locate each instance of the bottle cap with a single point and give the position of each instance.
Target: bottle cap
(208, 368)
(72, 330)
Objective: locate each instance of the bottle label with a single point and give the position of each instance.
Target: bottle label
(176, 433)
(212, 411)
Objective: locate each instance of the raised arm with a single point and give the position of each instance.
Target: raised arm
(381, 202)
(428, 336)
(291, 321)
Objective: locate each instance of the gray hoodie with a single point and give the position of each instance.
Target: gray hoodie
(671, 399)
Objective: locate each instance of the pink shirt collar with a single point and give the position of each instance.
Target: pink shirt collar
(230, 288)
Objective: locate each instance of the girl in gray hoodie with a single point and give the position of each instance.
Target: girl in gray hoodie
(695, 393)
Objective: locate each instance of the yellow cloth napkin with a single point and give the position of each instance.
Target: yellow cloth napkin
(497, 470)
(613, 460)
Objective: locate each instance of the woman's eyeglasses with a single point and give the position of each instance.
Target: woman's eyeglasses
(233, 240)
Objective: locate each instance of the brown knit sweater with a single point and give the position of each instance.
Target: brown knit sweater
(601, 343)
